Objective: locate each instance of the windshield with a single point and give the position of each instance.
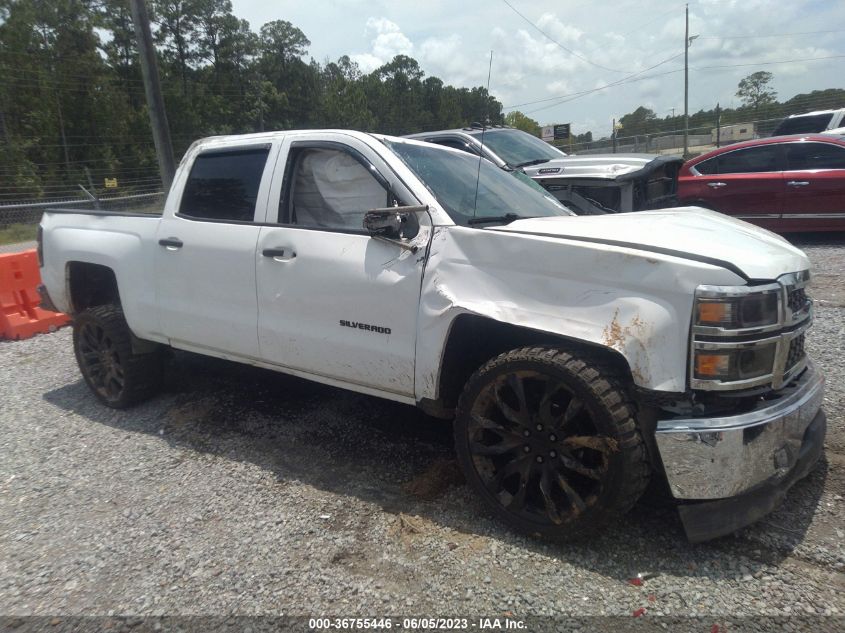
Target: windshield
(521, 176)
(451, 177)
(516, 147)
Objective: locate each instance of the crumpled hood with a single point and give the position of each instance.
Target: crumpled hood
(604, 166)
(690, 232)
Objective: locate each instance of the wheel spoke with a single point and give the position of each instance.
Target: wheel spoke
(602, 444)
(501, 448)
(485, 423)
(574, 498)
(574, 408)
(523, 467)
(571, 463)
(545, 409)
(511, 414)
(517, 502)
(97, 374)
(517, 465)
(548, 501)
(518, 387)
(90, 337)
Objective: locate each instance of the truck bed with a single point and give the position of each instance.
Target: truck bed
(122, 241)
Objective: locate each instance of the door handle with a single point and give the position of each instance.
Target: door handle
(171, 243)
(279, 254)
(798, 183)
(716, 185)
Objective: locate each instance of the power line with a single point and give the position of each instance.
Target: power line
(558, 44)
(654, 19)
(752, 37)
(566, 98)
(629, 79)
(772, 63)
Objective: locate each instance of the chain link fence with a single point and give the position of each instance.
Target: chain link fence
(701, 139)
(29, 211)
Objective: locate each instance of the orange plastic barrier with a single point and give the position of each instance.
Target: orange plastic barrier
(20, 316)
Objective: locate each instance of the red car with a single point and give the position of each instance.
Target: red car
(782, 183)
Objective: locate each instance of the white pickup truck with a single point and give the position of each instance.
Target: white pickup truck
(581, 357)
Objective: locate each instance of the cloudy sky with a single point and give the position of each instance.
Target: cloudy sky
(634, 46)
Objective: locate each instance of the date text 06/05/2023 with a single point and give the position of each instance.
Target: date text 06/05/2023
(417, 624)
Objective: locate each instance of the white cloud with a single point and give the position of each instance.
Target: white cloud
(366, 62)
(388, 42)
(559, 86)
(563, 33)
(528, 67)
(649, 88)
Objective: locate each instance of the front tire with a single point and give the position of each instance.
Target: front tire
(549, 440)
(102, 343)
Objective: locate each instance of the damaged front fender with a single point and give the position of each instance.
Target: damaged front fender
(633, 302)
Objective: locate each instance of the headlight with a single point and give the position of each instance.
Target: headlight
(738, 313)
(732, 365)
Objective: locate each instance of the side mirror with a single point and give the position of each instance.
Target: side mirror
(393, 223)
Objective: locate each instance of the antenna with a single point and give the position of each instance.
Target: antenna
(483, 129)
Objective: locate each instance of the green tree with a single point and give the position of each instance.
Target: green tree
(72, 96)
(281, 44)
(344, 99)
(640, 121)
(754, 90)
(177, 32)
(517, 119)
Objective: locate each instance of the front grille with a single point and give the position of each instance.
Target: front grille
(796, 352)
(796, 299)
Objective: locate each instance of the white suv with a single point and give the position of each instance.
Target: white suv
(811, 122)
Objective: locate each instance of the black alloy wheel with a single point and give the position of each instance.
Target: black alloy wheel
(550, 442)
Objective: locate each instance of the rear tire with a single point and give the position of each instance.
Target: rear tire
(548, 438)
(102, 343)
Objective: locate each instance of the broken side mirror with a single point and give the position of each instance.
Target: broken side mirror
(393, 223)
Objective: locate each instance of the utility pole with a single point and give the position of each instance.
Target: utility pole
(613, 135)
(152, 89)
(686, 83)
(718, 125)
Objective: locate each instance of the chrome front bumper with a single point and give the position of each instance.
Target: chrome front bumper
(716, 458)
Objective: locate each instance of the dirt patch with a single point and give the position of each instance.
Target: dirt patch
(435, 480)
(191, 413)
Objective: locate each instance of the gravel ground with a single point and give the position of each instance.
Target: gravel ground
(245, 491)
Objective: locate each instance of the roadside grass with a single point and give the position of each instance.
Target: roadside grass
(14, 233)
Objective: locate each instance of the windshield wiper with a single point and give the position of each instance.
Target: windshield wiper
(508, 217)
(536, 161)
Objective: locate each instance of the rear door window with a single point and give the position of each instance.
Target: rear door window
(223, 185)
(453, 143)
(803, 156)
(707, 167)
(804, 124)
(765, 158)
